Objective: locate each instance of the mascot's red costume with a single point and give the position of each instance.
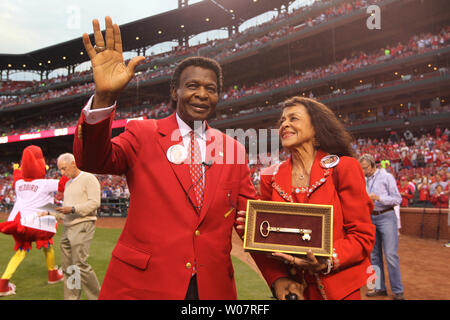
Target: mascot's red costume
(32, 192)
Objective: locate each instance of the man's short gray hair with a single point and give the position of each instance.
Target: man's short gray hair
(66, 157)
(368, 158)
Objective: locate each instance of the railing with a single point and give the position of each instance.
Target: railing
(6, 207)
(113, 207)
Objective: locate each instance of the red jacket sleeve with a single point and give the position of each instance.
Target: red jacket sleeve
(359, 238)
(271, 269)
(96, 152)
(444, 200)
(409, 194)
(266, 182)
(246, 189)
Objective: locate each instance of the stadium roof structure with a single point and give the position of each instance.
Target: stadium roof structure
(191, 20)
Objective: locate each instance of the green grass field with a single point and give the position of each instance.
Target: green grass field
(31, 276)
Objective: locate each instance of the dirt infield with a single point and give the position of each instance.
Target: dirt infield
(424, 263)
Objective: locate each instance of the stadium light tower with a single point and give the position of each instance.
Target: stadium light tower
(183, 41)
(182, 3)
(233, 28)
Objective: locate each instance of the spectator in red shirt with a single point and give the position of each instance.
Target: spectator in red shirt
(405, 191)
(439, 198)
(407, 161)
(438, 132)
(424, 192)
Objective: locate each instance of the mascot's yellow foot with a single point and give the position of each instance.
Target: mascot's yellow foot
(55, 276)
(6, 288)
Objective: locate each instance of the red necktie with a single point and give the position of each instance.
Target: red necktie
(195, 169)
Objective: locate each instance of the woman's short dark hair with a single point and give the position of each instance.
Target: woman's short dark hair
(331, 135)
(197, 61)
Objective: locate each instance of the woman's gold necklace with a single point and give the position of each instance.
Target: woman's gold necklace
(302, 176)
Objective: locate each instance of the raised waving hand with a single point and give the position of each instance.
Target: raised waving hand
(111, 75)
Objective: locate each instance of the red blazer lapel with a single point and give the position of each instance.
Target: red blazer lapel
(281, 181)
(318, 174)
(214, 156)
(169, 136)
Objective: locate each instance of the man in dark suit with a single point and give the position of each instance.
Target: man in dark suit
(187, 181)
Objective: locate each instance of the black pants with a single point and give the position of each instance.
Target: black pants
(192, 292)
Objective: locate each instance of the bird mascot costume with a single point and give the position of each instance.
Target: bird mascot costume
(32, 192)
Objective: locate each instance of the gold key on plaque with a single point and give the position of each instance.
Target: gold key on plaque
(306, 233)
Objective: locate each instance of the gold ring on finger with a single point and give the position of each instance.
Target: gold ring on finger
(99, 49)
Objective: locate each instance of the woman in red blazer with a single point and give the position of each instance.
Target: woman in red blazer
(320, 170)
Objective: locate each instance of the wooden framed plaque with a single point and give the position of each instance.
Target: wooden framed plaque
(292, 228)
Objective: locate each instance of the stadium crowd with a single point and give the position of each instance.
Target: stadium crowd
(420, 164)
(213, 47)
(417, 44)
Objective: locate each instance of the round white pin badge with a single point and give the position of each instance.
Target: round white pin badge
(329, 161)
(177, 154)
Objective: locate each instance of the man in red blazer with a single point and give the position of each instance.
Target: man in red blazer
(174, 245)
